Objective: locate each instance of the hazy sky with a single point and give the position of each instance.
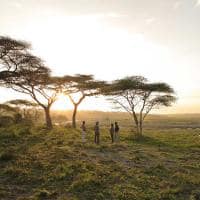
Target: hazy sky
(159, 39)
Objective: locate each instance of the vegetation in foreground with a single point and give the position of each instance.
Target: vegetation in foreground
(40, 164)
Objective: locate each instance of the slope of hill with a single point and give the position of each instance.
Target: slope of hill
(40, 164)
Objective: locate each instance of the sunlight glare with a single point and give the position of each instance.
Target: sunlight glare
(83, 44)
(62, 103)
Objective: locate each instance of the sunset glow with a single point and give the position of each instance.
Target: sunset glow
(100, 99)
(112, 43)
(62, 103)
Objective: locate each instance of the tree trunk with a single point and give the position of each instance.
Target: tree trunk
(141, 128)
(138, 133)
(137, 125)
(76, 104)
(48, 118)
(74, 116)
(24, 113)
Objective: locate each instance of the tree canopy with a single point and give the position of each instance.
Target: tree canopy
(138, 97)
(10, 55)
(28, 74)
(33, 78)
(80, 85)
(21, 102)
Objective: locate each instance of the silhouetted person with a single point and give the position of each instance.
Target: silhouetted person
(112, 131)
(83, 128)
(96, 133)
(116, 132)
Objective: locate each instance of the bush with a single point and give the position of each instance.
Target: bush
(6, 156)
(6, 121)
(17, 118)
(13, 133)
(22, 130)
(195, 195)
(42, 194)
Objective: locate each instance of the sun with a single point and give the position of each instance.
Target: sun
(62, 103)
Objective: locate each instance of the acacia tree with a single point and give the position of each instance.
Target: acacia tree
(8, 115)
(33, 78)
(77, 88)
(10, 51)
(5, 109)
(23, 105)
(138, 97)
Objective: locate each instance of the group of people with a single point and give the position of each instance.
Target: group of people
(114, 132)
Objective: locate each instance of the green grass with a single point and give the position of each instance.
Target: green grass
(38, 164)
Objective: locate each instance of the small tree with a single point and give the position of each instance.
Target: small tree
(77, 88)
(33, 78)
(138, 97)
(8, 115)
(24, 105)
(5, 109)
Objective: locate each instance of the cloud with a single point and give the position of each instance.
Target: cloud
(198, 3)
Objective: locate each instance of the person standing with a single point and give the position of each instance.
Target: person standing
(116, 132)
(83, 128)
(96, 133)
(112, 131)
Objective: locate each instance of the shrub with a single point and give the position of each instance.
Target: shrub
(6, 156)
(195, 195)
(42, 194)
(22, 130)
(6, 121)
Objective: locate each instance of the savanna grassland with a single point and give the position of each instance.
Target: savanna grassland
(39, 164)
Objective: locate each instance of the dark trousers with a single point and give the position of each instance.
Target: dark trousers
(96, 138)
(112, 137)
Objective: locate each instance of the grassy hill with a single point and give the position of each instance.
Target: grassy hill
(40, 164)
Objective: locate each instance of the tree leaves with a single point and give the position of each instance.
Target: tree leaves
(138, 96)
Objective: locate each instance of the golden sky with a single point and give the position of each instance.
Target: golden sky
(158, 39)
